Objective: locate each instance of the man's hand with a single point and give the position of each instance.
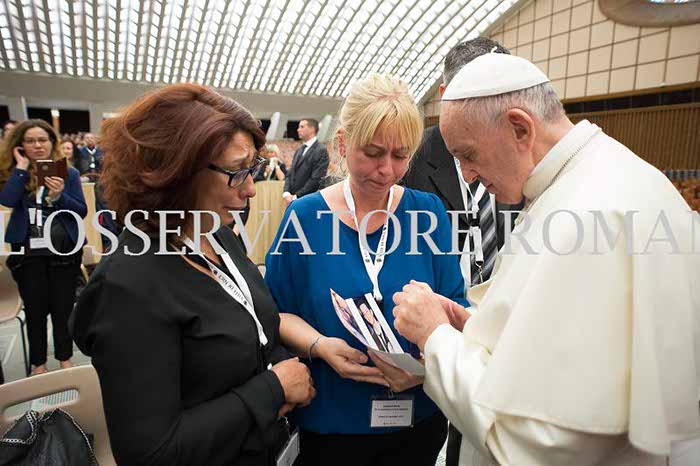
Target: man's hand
(418, 312)
(457, 314)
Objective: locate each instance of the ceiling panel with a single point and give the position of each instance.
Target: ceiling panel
(299, 47)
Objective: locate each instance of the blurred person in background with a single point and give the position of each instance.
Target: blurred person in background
(309, 166)
(68, 149)
(275, 169)
(7, 128)
(89, 161)
(46, 280)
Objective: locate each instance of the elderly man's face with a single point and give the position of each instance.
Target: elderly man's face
(485, 151)
(90, 139)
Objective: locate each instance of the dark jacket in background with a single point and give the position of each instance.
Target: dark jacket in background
(306, 173)
(85, 159)
(14, 195)
(183, 378)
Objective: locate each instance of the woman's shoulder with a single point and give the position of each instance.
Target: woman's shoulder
(308, 205)
(73, 172)
(421, 200)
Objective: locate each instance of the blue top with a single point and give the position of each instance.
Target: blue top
(14, 194)
(301, 285)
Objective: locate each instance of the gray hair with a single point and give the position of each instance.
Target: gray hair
(541, 102)
(464, 52)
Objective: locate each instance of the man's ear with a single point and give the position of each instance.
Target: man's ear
(441, 89)
(522, 126)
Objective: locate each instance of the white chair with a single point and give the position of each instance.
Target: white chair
(11, 305)
(87, 409)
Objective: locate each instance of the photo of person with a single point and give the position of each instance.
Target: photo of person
(362, 317)
(346, 317)
(374, 327)
(380, 326)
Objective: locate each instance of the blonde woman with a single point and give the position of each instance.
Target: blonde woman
(275, 169)
(46, 281)
(380, 129)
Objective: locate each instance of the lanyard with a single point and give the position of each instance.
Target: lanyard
(37, 214)
(243, 295)
(373, 268)
(474, 231)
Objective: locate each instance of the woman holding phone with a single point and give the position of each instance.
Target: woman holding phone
(46, 280)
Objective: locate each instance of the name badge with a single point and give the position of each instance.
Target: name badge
(38, 243)
(396, 411)
(290, 451)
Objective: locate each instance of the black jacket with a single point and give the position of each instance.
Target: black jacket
(306, 173)
(184, 381)
(89, 163)
(433, 170)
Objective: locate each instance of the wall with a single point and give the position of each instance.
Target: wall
(587, 55)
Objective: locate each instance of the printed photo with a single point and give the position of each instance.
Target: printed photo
(346, 317)
(363, 318)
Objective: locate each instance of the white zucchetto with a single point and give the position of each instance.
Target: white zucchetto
(493, 74)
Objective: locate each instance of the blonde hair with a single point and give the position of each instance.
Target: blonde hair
(273, 148)
(379, 100)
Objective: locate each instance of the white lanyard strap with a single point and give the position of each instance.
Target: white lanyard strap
(39, 199)
(373, 268)
(239, 293)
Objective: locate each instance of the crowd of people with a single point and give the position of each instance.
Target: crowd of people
(535, 357)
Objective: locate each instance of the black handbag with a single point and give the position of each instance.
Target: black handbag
(52, 438)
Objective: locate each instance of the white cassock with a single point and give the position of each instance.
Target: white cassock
(580, 359)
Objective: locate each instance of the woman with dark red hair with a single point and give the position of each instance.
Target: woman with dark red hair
(185, 339)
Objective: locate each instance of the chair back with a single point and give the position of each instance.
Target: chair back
(87, 409)
(10, 302)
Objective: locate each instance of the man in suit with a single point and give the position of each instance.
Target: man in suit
(435, 170)
(309, 165)
(89, 162)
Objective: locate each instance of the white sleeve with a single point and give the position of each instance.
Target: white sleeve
(454, 366)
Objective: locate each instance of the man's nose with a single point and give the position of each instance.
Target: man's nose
(470, 176)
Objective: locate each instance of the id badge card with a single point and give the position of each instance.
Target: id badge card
(37, 240)
(290, 451)
(391, 411)
(38, 243)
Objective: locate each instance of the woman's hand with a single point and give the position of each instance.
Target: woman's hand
(296, 381)
(348, 362)
(55, 185)
(22, 161)
(399, 380)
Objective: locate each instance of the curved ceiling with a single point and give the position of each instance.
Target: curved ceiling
(298, 47)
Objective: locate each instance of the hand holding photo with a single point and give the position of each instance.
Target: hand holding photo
(363, 318)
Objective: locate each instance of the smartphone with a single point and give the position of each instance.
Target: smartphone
(22, 151)
(47, 168)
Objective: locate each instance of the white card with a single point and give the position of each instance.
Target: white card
(396, 412)
(38, 243)
(290, 451)
(403, 361)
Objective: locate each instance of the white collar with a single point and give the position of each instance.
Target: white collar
(545, 171)
(310, 142)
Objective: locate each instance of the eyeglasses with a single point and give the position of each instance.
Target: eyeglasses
(31, 142)
(237, 177)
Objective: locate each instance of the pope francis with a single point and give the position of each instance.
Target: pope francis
(583, 347)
